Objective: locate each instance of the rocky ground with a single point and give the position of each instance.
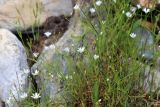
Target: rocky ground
(36, 34)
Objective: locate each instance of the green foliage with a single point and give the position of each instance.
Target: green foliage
(114, 78)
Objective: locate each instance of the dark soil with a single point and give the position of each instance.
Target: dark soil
(56, 25)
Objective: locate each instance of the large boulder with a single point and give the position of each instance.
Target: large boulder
(2, 2)
(13, 62)
(26, 13)
(52, 63)
(145, 42)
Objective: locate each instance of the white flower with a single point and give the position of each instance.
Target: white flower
(68, 77)
(103, 22)
(71, 13)
(146, 10)
(46, 48)
(81, 49)
(101, 33)
(92, 10)
(115, 1)
(107, 79)
(123, 11)
(26, 71)
(96, 57)
(133, 35)
(128, 14)
(143, 55)
(138, 6)
(72, 45)
(36, 96)
(47, 34)
(67, 49)
(36, 72)
(133, 9)
(99, 100)
(76, 7)
(52, 76)
(52, 46)
(24, 95)
(98, 3)
(35, 54)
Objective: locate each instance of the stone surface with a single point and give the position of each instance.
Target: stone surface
(152, 77)
(145, 42)
(2, 2)
(150, 66)
(51, 59)
(26, 13)
(146, 3)
(13, 61)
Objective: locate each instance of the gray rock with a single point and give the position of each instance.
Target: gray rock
(57, 7)
(145, 42)
(2, 2)
(150, 74)
(51, 60)
(152, 77)
(23, 14)
(13, 61)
